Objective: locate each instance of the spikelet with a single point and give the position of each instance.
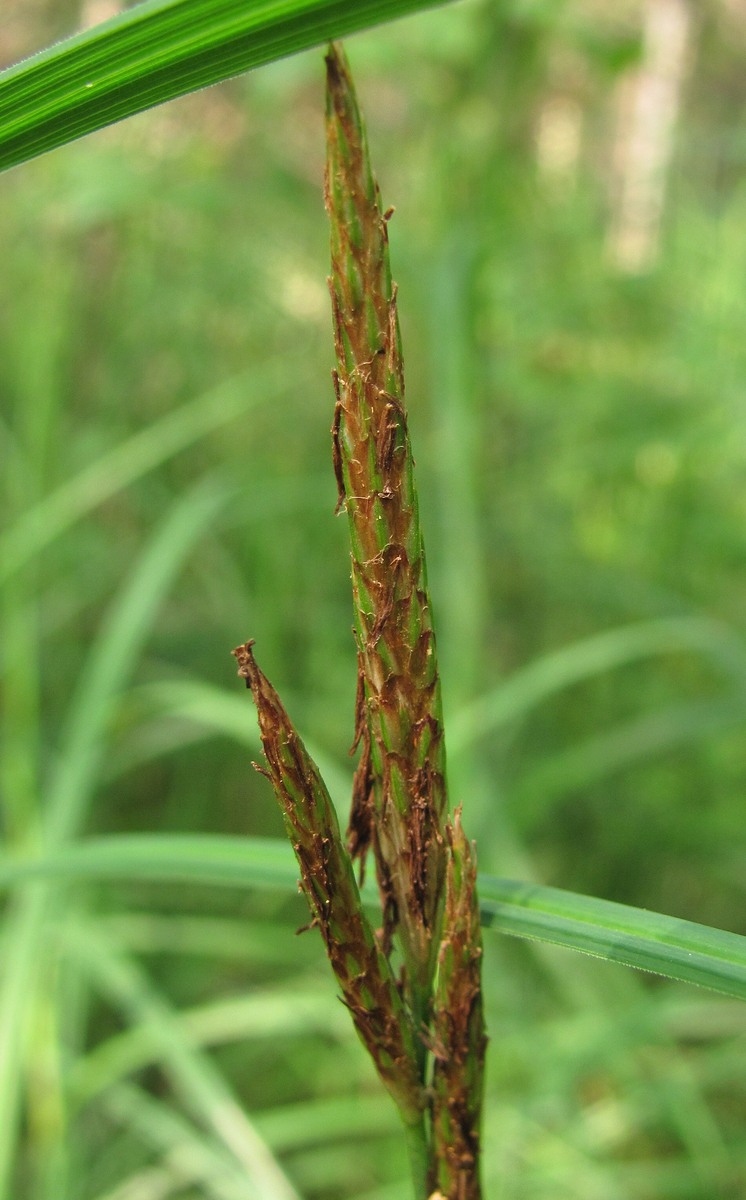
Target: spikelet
(458, 1035)
(425, 1031)
(399, 800)
(328, 880)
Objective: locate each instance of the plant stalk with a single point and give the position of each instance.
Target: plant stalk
(420, 1159)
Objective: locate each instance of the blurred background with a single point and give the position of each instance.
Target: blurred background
(570, 246)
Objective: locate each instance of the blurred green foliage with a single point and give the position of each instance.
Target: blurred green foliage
(579, 435)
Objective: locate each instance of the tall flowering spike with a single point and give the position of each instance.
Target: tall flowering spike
(328, 880)
(458, 1035)
(399, 800)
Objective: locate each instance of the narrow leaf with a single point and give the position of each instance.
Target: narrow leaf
(193, 1075)
(114, 653)
(121, 466)
(635, 937)
(156, 51)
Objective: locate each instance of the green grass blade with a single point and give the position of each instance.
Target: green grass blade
(207, 939)
(189, 1157)
(274, 1014)
(592, 656)
(192, 1074)
(23, 939)
(158, 50)
(618, 933)
(355, 1116)
(667, 946)
(114, 653)
(128, 462)
(217, 711)
(109, 663)
(188, 858)
(581, 766)
(149, 1183)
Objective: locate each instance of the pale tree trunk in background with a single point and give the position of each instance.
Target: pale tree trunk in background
(649, 102)
(736, 9)
(559, 139)
(93, 12)
(28, 25)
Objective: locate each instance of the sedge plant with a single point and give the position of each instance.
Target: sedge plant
(422, 1022)
(413, 989)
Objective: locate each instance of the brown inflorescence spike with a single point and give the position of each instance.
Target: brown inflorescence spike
(368, 986)
(458, 1034)
(400, 797)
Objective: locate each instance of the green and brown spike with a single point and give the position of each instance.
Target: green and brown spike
(458, 1034)
(399, 802)
(328, 880)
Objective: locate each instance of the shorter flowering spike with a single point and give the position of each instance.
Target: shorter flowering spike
(458, 1035)
(368, 986)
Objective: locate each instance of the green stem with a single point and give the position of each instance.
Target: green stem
(420, 1165)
